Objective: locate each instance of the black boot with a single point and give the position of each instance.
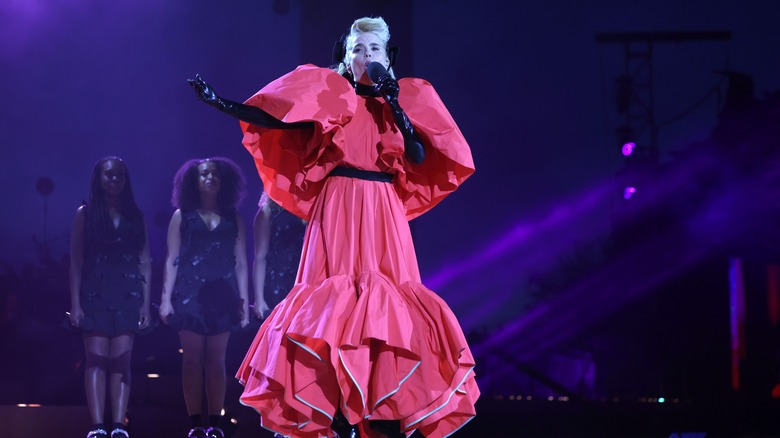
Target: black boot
(388, 428)
(342, 427)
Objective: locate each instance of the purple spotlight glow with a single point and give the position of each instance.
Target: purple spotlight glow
(628, 148)
(628, 192)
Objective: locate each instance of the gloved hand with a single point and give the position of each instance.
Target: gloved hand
(388, 88)
(204, 91)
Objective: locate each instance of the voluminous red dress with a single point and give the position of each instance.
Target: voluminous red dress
(358, 331)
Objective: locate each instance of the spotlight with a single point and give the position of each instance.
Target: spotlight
(628, 148)
(628, 192)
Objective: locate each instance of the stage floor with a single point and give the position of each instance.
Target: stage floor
(495, 418)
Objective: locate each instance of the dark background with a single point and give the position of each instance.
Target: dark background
(566, 288)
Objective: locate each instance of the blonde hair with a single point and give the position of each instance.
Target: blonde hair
(377, 26)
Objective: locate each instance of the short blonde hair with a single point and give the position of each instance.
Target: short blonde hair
(377, 26)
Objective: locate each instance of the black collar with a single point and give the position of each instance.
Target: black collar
(366, 90)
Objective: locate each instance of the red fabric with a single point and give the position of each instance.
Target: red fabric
(358, 332)
(353, 131)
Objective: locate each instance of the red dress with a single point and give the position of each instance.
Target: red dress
(358, 331)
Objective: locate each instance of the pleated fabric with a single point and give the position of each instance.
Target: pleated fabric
(358, 332)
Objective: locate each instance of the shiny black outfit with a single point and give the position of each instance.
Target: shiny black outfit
(112, 285)
(284, 254)
(205, 296)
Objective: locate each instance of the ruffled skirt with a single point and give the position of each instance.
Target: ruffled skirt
(359, 332)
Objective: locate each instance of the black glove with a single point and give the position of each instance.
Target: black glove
(388, 88)
(204, 91)
(413, 147)
(246, 113)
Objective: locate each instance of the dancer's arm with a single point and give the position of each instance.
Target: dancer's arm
(171, 265)
(144, 318)
(262, 231)
(241, 270)
(77, 240)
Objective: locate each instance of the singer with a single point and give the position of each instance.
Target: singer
(360, 346)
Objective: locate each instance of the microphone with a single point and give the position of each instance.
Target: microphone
(376, 72)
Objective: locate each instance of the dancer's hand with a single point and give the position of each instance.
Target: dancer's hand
(204, 91)
(244, 314)
(165, 309)
(144, 317)
(75, 315)
(260, 310)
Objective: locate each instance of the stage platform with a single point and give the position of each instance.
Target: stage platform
(496, 418)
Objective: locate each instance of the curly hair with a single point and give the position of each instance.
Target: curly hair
(186, 195)
(98, 222)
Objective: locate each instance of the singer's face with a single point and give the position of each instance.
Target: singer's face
(366, 48)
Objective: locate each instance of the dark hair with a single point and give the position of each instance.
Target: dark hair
(98, 223)
(232, 189)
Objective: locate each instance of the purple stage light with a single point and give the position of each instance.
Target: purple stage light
(502, 267)
(628, 148)
(560, 220)
(628, 192)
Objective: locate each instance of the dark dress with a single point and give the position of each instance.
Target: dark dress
(205, 296)
(112, 285)
(284, 254)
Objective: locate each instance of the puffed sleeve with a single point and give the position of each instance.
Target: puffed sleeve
(448, 159)
(294, 163)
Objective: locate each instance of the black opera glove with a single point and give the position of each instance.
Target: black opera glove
(204, 91)
(388, 88)
(413, 147)
(246, 113)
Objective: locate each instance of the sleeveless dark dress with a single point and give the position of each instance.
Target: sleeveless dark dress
(205, 296)
(284, 254)
(112, 285)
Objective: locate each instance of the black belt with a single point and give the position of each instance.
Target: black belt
(368, 175)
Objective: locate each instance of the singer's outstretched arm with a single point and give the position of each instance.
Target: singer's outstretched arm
(246, 113)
